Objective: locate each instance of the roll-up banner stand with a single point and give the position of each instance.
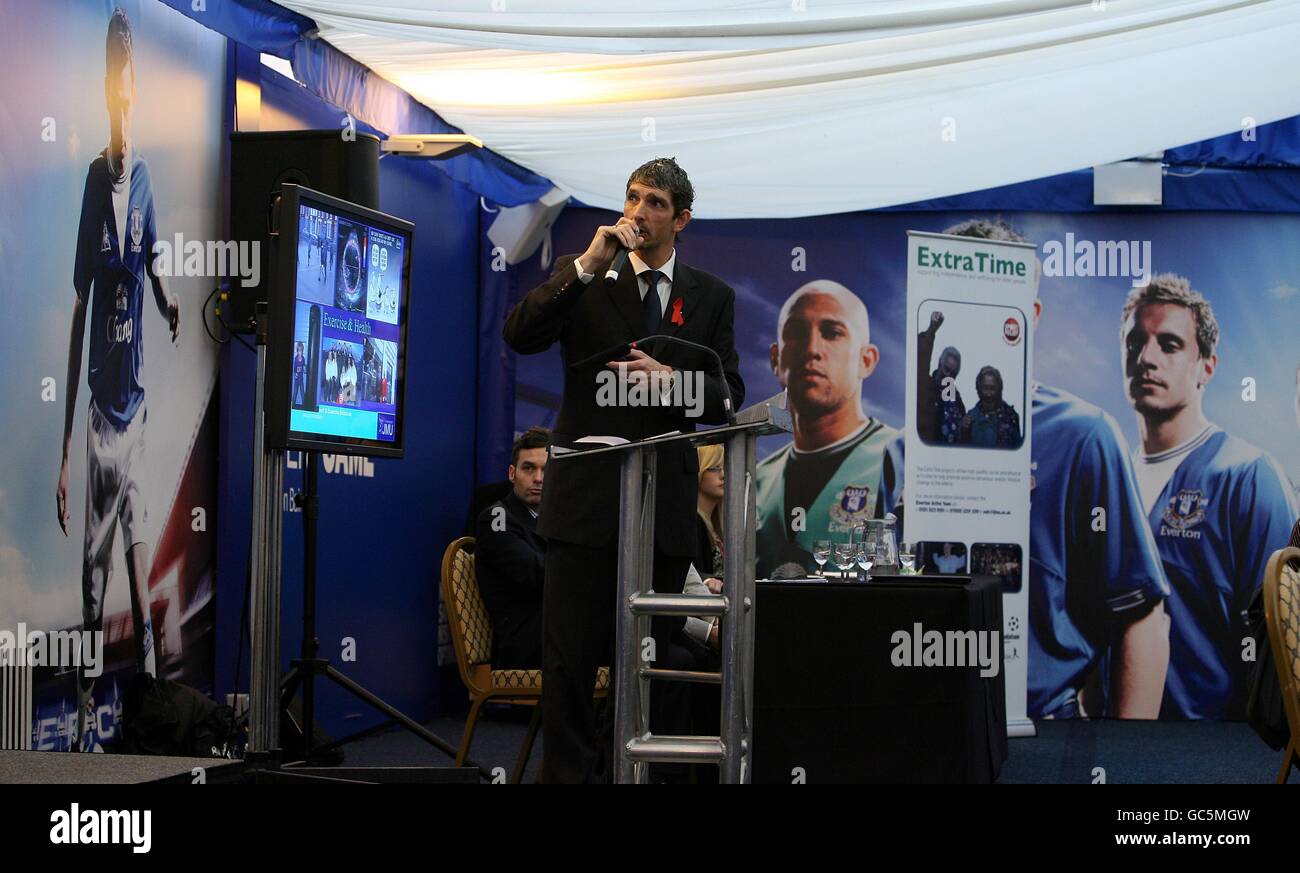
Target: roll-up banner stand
(969, 342)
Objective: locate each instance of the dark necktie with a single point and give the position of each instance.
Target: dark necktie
(650, 303)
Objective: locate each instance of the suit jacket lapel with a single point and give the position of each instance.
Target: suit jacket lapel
(626, 295)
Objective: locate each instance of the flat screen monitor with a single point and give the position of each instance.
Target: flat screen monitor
(336, 345)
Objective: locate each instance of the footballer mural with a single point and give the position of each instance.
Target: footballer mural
(830, 467)
(108, 502)
(1161, 475)
(1218, 506)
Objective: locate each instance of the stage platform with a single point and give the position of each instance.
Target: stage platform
(66, 768)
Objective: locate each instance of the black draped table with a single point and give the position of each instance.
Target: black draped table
(829, 704)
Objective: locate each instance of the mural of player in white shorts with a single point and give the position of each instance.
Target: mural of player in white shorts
(113, 268)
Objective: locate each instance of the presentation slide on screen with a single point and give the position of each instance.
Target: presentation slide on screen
(346, 332)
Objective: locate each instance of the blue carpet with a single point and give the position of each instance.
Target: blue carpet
(497, 740)
(1142, 752)
(1130, 752)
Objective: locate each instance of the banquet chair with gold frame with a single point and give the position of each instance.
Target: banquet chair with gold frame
(1282, 616)
(471, 638)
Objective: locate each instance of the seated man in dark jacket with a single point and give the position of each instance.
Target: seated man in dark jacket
(509, 558)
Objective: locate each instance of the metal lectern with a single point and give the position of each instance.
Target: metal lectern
(635, 746)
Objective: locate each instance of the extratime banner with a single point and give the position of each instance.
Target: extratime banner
(969, 333)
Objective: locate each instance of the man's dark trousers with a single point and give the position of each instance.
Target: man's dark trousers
(579, 636)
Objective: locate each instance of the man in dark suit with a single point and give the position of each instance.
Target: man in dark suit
(484, 496)
(655, 294)
(509, 557)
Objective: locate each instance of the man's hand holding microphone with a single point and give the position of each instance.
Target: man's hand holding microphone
(605, 246)
(607, 241)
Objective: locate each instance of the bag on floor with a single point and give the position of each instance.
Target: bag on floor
(161, 717)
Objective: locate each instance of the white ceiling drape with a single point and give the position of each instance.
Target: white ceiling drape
(808, 107)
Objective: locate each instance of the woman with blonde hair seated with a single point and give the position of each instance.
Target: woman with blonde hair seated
(708, 512)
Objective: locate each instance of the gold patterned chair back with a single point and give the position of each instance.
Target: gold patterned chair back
(467, 615)
(1282, 615)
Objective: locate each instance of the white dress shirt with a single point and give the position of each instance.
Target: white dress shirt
(643, 284)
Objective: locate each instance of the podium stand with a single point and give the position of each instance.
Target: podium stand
(635, 746)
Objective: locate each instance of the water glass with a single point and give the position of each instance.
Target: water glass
(865, 561)
(821, 552)
(907, 557)
(844, 557)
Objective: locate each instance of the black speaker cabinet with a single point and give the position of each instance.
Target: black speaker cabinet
(261, 162)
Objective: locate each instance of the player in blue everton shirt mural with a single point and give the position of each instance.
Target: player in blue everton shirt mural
(113, 264)
(1095, 581)
(1218, 507)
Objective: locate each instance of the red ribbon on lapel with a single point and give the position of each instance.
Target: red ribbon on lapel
(677, 313)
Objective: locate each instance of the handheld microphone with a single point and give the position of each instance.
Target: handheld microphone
(623, 348)
(616, 266)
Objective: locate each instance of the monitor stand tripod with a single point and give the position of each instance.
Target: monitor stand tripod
(268, 696)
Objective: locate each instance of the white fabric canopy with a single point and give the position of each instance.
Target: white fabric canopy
(783, 109)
